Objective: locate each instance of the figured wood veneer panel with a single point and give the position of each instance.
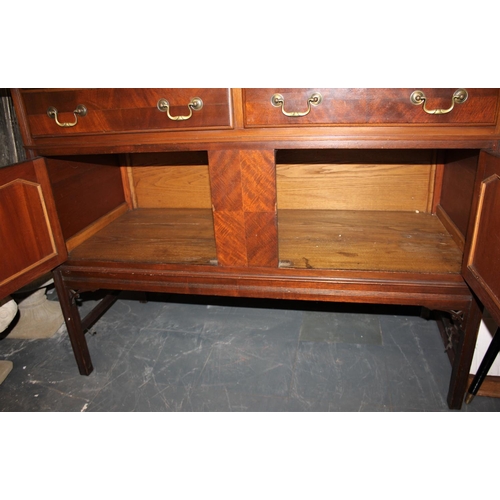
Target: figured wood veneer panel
(337, 106)
(260, 228)
(25, 232)
(244, 202)
(259, 204)
(225, 179)
(483, 261)
(369, 241)
(387, 106)
(258, 181)
(31, 243)
(231, 238)
(113, 110)
(369, 106)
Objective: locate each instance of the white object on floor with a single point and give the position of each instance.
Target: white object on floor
(486, 331)
(8, 311)
(39, 317)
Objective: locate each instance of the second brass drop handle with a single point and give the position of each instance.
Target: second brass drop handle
(80, 110)
(194, 105)
(418, 98)
(278, 101)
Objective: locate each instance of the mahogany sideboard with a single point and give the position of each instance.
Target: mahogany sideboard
(381, 196)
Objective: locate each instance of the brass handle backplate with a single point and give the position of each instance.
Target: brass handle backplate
(80, 110)
(194, 105)
(418, 98)
(278, 101)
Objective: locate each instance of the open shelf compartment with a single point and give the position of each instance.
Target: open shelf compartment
(151, 208)
(366, 210)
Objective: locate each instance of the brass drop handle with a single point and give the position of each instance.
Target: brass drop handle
(80, 110)
(278, 101)
(194, 105)
(418, 98)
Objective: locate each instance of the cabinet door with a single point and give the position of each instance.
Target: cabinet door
(31, 242)
(481, 265)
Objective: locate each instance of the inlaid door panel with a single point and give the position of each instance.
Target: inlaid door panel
(30, 236)
(482, 259)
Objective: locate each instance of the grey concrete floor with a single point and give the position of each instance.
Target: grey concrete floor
(209, 354)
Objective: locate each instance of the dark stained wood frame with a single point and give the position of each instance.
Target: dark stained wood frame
(241, 162)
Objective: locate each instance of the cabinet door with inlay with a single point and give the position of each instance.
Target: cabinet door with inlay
(31, 241)
(481, 266)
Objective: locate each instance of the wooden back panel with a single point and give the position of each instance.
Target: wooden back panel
(170, 180)
(172, 187)
(356, 180)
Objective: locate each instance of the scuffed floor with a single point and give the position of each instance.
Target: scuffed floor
(206, 354)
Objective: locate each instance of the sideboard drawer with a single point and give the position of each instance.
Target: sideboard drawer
(313, 107)
(438, 106)
(299, 108)
(124, 110)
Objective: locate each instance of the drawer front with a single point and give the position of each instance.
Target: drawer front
(124, 110)
(302, 107)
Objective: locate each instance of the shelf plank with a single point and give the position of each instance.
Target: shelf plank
(154, 236)
(308, 239)
(366, 240)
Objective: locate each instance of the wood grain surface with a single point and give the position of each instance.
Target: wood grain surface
(111, 110)
(368, 106)
(155, 236)
(371, 241)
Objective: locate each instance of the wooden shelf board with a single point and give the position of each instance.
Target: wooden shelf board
(366, 240)
(308, 239)
(154, 236)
